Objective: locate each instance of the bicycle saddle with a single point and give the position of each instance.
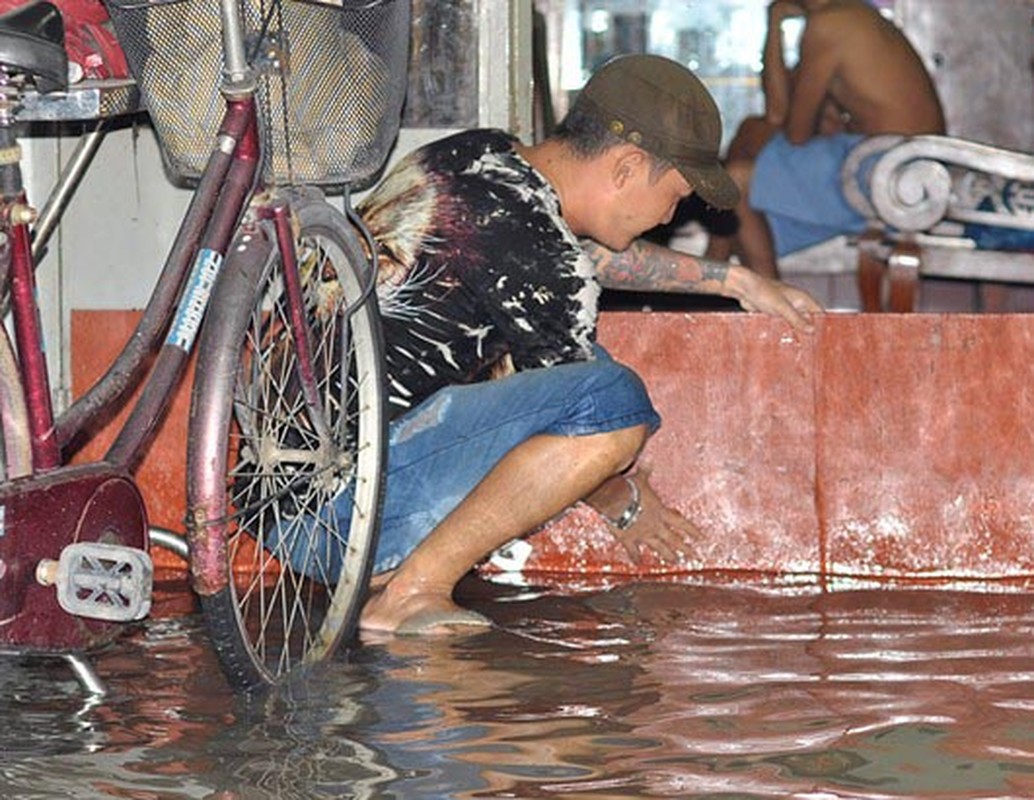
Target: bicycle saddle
(32, 42)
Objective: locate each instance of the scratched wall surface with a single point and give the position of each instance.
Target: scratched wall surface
(881, 446)
(926, 444)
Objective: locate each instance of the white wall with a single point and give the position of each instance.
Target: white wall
(113, 237)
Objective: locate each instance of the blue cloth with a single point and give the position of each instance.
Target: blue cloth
(798, 187)
(1013, 198)
(439, 451)
(991, 237)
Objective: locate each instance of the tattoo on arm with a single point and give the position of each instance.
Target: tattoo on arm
(714, 270)
(648, 267)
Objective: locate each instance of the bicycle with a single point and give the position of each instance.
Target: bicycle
(273, 286)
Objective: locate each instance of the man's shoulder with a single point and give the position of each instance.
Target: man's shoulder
(844, 16)
(855, 31)
(837, 28)
(472, 142)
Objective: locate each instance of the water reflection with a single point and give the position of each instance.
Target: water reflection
(642, 691)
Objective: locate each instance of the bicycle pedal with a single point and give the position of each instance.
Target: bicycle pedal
(101, 581)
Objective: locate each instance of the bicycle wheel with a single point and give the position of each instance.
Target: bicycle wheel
(285, 488)
(15, 448)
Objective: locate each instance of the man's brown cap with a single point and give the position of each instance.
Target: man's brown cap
(662, 107)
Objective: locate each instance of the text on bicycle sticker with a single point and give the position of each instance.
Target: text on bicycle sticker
(192, 309)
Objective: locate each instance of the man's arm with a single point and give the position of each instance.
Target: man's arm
(776, 80)
(821, 45)
(649, 267)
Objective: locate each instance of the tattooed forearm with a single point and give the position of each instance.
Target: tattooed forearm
(647, 267)
(714, 270)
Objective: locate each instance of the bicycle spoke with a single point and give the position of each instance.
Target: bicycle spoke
(302, 506)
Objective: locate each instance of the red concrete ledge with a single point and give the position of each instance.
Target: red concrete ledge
(881, 447)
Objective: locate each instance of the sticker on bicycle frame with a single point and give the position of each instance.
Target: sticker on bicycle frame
(192, 307)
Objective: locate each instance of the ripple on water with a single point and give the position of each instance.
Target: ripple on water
(680, 690)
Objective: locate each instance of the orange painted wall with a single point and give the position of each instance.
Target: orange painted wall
(882, 446)
(97, 337)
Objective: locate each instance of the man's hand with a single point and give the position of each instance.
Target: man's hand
(658, 528)
(778, 10)
(757, 293)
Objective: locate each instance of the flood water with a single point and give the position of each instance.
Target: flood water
(688, 690)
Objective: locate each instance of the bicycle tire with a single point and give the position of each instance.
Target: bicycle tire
(15, 447)
(278, 605)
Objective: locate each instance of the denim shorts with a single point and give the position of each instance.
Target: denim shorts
(439, 451)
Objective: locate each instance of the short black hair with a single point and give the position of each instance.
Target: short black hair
(588, 136)
(585, 132)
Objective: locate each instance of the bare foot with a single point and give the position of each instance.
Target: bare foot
(421, 613)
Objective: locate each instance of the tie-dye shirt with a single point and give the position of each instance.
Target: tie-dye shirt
(479, 275)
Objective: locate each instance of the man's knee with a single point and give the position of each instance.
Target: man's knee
(741, 170)
(611, 451)
(610, 397)
(751, 137)
(628, 443)
(630, 414)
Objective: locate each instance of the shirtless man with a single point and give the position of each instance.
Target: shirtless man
(856, 76)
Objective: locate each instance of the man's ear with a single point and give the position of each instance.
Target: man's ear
(626, 162)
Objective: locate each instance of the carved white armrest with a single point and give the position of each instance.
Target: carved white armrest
(854, 181)
(924, 180)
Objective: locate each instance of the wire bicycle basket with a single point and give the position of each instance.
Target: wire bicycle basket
(332, 80)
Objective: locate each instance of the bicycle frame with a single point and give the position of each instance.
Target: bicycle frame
(212, 216)
(169, 326)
